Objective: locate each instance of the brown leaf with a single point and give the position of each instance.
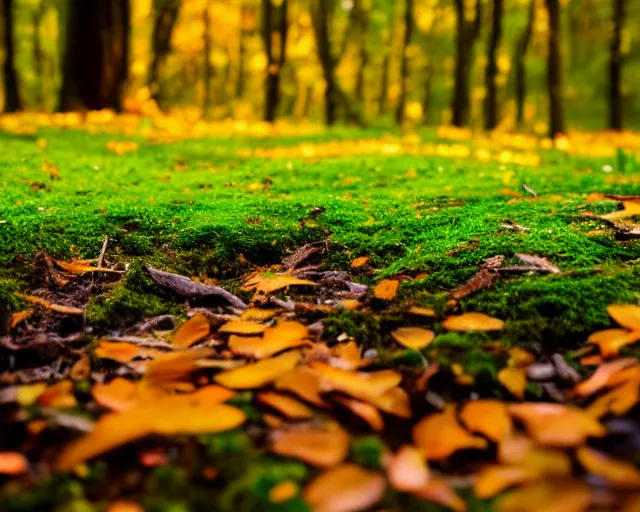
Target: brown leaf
(538, 263)
(366, 412)
(484, 278)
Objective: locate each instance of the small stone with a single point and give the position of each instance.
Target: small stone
(541, 371)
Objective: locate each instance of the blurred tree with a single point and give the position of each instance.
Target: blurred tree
(165, 15)
(554, 70)
(522, 45)
(12, 101)
(95, 65)
(275, 26)
(468, 31)
(404, 65)
(360, 17)
(247, 29)
(321, 14)
(491, 116)
(208, 69)
(615, 67)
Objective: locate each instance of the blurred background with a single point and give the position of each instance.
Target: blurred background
(540, 66)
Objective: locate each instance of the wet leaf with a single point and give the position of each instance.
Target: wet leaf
(83, 268)
(557, 424)
(440, 435)
(192, 331)
(469, 322)
(407, 470)
(413, 337)
(347, 488)
(304, 382)
(322, 446)
(386, 289)
(259, 374)
(488, 417)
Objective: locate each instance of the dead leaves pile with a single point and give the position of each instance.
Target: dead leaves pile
(528, 454)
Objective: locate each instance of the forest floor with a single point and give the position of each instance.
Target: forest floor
(419, 329)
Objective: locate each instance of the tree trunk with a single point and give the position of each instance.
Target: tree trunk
(165, 17)
(404, 66)
(491, 116)
(615, 67)
(207, 70)
(362, 18)
(96, 55)
(468, 32)
(334, 95)
(38, 54)
(554, 70)
(12, 101)
(274, 22)
(520, 69)
(384, 84)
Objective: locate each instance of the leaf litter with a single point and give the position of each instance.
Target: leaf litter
(317, 396)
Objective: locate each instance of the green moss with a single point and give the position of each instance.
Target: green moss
(368, 451)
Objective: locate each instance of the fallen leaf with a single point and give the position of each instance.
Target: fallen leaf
(259, 374)
(19, 317)
(521, 451)
(616, 472)
(304, 382)
(600, 378)
(81, 369)
(492, 480)
(283, 336)
(539, 263)
(413, 338)
(515, 380)
(610, 341)
(175, 365)
(322, 446)
(348, 357)
(627, 315)
(83, 268)
(257, 314)
(360, 262)
(468, 322)
(244, 327)
(285, 405)
(270, 284)
(439, 435)
(629, 209)
(395, 401)
(119, 351)
(59, 395)
(438, 491)
(618, 401)
(557, 424)
(415, 310)
(192, 331)
(58, 308)
(407, 470)
(488, 417)
(386, 289)
(29, 393)
(13, 463)
(347, 488)
(284, 491)
(550, 495)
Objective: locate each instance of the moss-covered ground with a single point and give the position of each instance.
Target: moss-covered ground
(209, 208)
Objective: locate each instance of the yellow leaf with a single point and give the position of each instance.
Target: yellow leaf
(270, 284)
(492, 480)
(174, 365)
(523, 452)
(550, 495)
(83, 268)
(258, 315)
(468, 322)
(322, 446)
(58, 308)
(415, 310)
(259, 374)
(120, 351)
(603, 374)
(29, 393)
(386, 289)
(304, 382)
(81, 370)
(245, 327)
(283, 336)
(515, 380)
(630, 208)
(627, 315)
(347, 488)
(488, 417)
(192, 331)
(413, 337)
(407, 470)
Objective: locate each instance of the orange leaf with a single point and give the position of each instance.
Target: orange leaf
(488, 417)
(438, 491)
(257, 314)
(610, 341)
(493, 480)
(557, 424)
(283, 336)
(118, 395)
(360, 262)
(515, 380)
(58, 308)
(471, 322)
(13, 463)
(192, 331)
(365, 411)
(407, 470)
(81, 369)
(413, 337)
(395, 401)
(523, 452)
(348, 356)
(630, 208)
(386, 289)
(617, 473)
(82, 268)
(600, 378)
(321, 446)
(245, 327)
(124, 506)
(267, 284)
(440, 435)
(347, 488)
(285, 405)
(174, 365)
(551, 495)
(120, 351)
(618, 401)
(627, 315)
(284, 491)
(259, 374)
(19, 317)
(59, 395)
(304, 382)
(415, 310)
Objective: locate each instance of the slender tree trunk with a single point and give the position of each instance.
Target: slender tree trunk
(334, 95)
(165, 17)
(615, 67)
(554, 70)
(274, 22)
(96, 56)
(242, 50)
(404, 67)
(362, 18)
(384, 84)
(426, 97)
(38, 54)
(491, 116)
(208, 69)
(520, 69)
(467, 34)
(12, 101)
